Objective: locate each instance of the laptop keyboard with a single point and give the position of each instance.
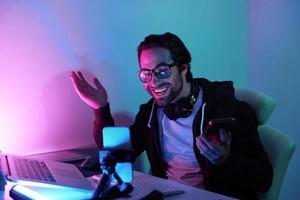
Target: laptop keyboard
(33, 169)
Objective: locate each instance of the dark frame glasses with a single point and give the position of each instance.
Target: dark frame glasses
(161, 71)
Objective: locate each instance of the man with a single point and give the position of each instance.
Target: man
(172, 126)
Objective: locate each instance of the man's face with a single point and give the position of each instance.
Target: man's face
(163, 90)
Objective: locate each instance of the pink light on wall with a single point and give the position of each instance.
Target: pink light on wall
(37, 103)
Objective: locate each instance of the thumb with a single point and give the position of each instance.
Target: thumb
(224, 136)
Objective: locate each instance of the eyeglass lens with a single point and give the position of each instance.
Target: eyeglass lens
(161, 72)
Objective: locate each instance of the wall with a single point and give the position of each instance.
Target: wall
(274, 68)
(42, 41)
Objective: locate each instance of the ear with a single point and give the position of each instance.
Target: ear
(184, 69)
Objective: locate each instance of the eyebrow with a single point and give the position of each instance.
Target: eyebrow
(161, 64)
(158, 65)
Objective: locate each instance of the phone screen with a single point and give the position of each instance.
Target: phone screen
(216, 124)
(212, 131)
(118, 138)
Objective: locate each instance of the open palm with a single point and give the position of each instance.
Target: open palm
(96, 97)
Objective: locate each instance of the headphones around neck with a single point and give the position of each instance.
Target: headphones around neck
(184, 107)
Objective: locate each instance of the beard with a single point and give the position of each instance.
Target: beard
(165, 100)
(169, 95)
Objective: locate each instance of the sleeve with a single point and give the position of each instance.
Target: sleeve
(139, 131)
(103, 119)
(248, 165)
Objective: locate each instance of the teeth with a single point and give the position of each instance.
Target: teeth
(160, 90)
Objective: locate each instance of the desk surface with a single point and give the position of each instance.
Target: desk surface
(143, 185)
(140, 190)
(189, 191)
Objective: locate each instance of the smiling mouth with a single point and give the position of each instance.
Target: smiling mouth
(160, 91)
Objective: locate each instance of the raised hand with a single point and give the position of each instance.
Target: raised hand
(96, 97)
(215, 150)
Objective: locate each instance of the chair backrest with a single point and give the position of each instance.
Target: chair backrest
(280, 148)
(262, 104)
(278, 145)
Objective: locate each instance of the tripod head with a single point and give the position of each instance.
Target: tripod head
(108, 166)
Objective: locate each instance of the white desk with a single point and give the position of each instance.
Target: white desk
(140, 190)
(190, 192)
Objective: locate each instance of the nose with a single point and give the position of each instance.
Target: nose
(154, 80)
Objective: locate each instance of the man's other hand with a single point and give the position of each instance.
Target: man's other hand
(96, 97)
(216, 152)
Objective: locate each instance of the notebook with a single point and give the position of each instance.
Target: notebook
(22, 169)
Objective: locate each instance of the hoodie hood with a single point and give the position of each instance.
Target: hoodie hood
(214, 91)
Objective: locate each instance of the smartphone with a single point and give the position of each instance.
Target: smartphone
(118, 138)
(214, 125)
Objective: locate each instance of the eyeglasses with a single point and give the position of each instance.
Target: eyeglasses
(161, 71)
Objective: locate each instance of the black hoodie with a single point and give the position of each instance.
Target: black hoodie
(247, 169)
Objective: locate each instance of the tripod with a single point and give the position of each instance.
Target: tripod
(104, 190)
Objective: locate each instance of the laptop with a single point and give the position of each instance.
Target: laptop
(25, 169)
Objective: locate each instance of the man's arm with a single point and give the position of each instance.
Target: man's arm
(248, 163)
(139, 129)
(103, 118)
(243, 166)
(96, 98)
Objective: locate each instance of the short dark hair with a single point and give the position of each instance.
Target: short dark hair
(180, 54)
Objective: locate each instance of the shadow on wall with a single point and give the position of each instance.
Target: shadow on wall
(123, 119)
(69, 120)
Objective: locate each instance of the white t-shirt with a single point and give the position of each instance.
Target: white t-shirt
(177, 147)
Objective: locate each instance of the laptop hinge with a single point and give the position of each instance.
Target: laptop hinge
(7, 167)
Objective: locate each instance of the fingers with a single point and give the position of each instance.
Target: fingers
(83, 82)
(80, 82)
(210, 146)
(74, 76)
(75, 80)
(98, 84)
(225, 137)
(215, 153)
(213, 156)
(81, 76)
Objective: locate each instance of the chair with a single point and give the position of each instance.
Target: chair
(262, 104)
(278, 145)
(280, 149)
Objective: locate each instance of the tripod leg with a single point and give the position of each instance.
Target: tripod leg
(118, 190)
(117, 177)
(102, 186)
